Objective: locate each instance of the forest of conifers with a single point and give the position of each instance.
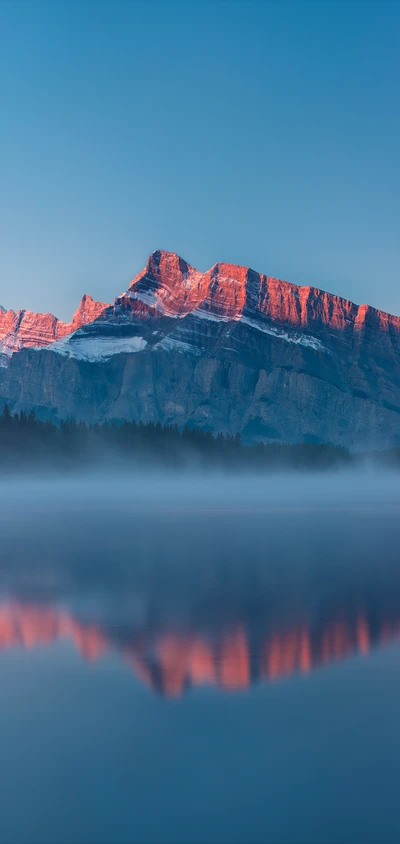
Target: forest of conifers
(25, 440)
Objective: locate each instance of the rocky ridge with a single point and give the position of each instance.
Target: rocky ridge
(229, 349)
(25, 329)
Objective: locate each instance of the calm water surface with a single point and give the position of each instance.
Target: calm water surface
(182, 670)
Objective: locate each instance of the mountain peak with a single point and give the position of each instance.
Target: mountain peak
(26, 329)
(161, 262)
(230, 349)
(88, 310)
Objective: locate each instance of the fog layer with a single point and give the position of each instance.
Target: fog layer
(354, 489)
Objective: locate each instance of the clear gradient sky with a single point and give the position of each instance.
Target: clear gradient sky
(261, 133)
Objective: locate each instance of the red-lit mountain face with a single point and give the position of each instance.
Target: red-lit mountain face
(26, 329)
(229, 349)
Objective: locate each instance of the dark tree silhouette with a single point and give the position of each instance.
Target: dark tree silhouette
(25, 439)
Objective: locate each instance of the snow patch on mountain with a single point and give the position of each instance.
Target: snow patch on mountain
(93, 349)
(300, 339)
(291, 337)
(171, 345)
(6, 347)
(200, 313)
(149, 298)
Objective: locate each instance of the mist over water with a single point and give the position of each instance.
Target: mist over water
(184, 655)
(212, 490)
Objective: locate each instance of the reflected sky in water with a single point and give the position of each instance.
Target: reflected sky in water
(198, 674)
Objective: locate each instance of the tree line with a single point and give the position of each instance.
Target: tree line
(26, 440)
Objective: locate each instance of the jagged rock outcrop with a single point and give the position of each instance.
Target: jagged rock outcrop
(26, 329)
(229, 349)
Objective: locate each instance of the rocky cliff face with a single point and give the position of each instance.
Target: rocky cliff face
(26, 329)
(229, 349)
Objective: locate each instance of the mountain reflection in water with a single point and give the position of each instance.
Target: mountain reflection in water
(199, 676)
(188, 599)
(171, 661)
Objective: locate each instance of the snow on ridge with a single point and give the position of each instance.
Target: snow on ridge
(201, 313)
(152, 300)
(171, 345)
(296, 337)
(10, 344)
(92, 349)
(148, 297)
(291, 337)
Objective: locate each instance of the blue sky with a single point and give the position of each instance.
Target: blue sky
(261, 133)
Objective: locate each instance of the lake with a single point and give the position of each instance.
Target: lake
(200, 660)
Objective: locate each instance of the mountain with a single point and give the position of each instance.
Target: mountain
(26, 329)
(229, 349)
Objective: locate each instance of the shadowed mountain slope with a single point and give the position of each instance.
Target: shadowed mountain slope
(227, 350)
